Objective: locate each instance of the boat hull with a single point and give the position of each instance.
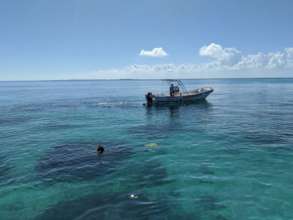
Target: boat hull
(190, 97)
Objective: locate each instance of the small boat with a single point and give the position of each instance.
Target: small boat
(178, 94)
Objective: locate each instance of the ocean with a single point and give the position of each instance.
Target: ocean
(229, 158)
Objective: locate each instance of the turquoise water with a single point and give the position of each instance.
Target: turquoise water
(228, 158)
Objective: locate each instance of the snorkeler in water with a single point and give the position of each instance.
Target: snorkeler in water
(100, 149)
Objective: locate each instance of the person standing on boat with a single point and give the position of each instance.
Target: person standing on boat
(172, 89)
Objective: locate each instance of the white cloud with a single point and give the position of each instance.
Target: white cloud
(225, 56)
(156, 52)
(289, 53)
(231, 58)
(223, 62)
(271, 61)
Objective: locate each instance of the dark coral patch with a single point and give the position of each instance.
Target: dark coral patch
(204, 169)
(59, 126)
(15, 120)
(220, 217)
(262, 138)
(71, 162)
(209, 203)
(107, 206)
(151, 174)
(4, 170)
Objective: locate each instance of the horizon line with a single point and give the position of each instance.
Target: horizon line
(220, 78)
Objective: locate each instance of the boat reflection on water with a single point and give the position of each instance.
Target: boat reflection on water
(175, 109)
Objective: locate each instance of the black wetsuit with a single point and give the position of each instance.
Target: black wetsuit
(100, 149)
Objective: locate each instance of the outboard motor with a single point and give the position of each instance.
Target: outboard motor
(149, 98)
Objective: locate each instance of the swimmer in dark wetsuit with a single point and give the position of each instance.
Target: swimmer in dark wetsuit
(100, 149)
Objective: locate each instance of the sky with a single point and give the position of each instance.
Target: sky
(112, 39)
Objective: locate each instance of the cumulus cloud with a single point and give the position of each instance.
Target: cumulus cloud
(225, 56)
(223, 62)
(289, 53)
(270, 61)
(234, 59)
(156, 52)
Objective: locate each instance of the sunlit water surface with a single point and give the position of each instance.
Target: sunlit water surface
(228, 158)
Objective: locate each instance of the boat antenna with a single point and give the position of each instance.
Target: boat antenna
(180, 83)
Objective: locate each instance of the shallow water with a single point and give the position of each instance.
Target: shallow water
(228, 158)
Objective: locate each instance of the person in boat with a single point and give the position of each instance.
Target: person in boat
(176, 89)
(149, 97)
(172, 89)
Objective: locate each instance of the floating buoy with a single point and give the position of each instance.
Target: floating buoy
(151, 145)
(133, 196)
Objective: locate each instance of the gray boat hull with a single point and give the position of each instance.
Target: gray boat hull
(188, 97)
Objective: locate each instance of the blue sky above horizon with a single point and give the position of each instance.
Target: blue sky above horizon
(80, 39)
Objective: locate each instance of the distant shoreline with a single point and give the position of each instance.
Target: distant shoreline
(240, 78)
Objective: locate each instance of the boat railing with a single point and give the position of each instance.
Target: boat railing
(161, 94)
(188, 92)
